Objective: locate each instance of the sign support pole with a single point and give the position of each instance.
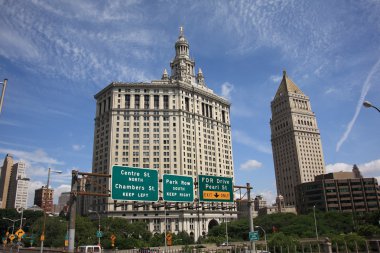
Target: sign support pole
(166, 244)
(251, 227)
(73, 210)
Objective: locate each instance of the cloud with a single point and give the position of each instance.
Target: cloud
(251, 165)
(275, 78)
(10, 123)
(374, 74)
(78, 147)
(330, 90)
(367, 169)
(227, 89)
(37, 156)
(245, 139)
(59, 189)
(269, 196)
(33, 185)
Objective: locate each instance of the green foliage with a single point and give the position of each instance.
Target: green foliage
(182, 238)
(351, 240)
(368, 230)
(282, 240)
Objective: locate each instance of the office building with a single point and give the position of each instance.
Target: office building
(13, 184)
(296, 141)
(5, 178)
(339, 192)
(18, 188)
(43, 197)
(63, 202)
(176, 125)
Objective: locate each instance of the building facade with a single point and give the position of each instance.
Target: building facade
(5, 178)
(13, 184)
(176, 125)
(43, 197)
(296, 141)
(341, 192)
(63, 202)
(18, 188)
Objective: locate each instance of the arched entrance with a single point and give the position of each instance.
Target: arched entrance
(212, 224)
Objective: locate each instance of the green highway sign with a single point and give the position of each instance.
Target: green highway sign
(254, 236)
(215, 189)
(177, 188)
(99, 234)
(134, 184)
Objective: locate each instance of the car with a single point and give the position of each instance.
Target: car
(148, 250)
(224, 244)
(90, 249)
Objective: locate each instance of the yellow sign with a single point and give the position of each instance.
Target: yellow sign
(169, 236)
(11, 237)
(216, 195)
(113, 237)
(66, 243)
(20, 233)
(42, 238)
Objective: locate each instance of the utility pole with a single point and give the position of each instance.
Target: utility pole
(73, 210)
(251, 227)
(3, 93)
(75, 192)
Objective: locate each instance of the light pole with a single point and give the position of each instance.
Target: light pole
(315, 223)
(368, 104)
(265, 237)
(98, 235)
(3, 93)
(316, 229)
(226, 229)
(44, 196)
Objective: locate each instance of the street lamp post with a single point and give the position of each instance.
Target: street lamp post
(316, 229)
(45, 198)
(368, 104)
(13, 221)
(265, 237)
(3, 93)
(91, 211)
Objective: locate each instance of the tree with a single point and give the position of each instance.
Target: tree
(282, 240)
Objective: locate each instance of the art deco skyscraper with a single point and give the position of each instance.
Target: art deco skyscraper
(5, 179)
(176, 125)
(296, 141)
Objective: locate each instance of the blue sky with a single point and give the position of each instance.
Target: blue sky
(58, 54)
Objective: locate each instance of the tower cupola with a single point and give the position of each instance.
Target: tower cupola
(182, 67)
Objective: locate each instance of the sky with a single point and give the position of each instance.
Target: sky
(57, 55)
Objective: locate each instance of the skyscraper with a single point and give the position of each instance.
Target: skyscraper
(5, 177)
(176, 125)
(296, 141)
(18, 188)
(13, 184)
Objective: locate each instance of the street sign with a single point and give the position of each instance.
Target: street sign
(177, 188)
(20, 233)
(254, 236)
(113, 238)
(134, 184)
(99, 234)
(215, 189)
(11, 237)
